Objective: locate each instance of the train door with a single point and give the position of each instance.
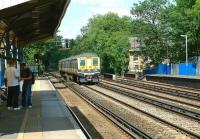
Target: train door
(89, 63)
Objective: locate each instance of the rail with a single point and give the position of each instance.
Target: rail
(132, 130)
(71, 111)
(155, 94)
(194, 135)
(177, 109)
(177, 92)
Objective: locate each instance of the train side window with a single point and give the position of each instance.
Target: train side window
(82, 62)
(95, 61)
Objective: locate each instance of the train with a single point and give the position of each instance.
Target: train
(82, 68)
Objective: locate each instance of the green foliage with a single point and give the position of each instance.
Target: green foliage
(161, 23)
(158, 22)
(150, 26)
(185, 20)
(29, 54)
(107, 36)
(185, 3)
(49, 50)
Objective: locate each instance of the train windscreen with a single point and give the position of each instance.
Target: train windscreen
(95, 61)
(82, 62)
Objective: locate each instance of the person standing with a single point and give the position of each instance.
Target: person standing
(26, 75)
(12, 82)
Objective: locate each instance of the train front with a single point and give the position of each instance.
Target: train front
(89, 69)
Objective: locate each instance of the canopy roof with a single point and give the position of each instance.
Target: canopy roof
(32, 20)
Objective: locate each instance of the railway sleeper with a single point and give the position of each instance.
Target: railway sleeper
(165, 105)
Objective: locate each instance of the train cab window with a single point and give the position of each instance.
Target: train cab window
(82, 62)
(95, 61)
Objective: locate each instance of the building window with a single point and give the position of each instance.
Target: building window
(135, 58)
(136, 67)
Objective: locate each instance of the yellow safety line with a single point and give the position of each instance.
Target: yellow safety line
(22, 128)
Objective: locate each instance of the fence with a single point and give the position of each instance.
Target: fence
(175, 69)
(189, 69)
(159, 69)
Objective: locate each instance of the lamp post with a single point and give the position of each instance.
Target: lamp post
(186, 53)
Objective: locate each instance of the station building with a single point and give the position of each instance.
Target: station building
(136, 61)
(27, 21)
(23, 22)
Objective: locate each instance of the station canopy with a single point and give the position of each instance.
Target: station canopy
(31, 20)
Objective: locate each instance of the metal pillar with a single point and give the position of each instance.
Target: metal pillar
(14, 49)
(20, 55)
(8, 45)
(198, 66)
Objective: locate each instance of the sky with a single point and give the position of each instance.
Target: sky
(79, 11)
(9, 3)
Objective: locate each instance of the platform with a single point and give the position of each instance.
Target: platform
(175, 76)
(47, 119)
(187, 81)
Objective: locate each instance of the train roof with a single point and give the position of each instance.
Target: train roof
(77, 56)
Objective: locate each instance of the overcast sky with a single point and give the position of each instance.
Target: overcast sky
(79, 11)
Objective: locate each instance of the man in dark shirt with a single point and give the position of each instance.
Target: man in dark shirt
(26, 75)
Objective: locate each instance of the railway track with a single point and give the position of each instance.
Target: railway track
(169, 85)
(193, 94)
(173, 125)
(193, 104)
(133, 131)
(193, 114)
(128, 127)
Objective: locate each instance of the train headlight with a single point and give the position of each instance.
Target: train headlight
(79, 71)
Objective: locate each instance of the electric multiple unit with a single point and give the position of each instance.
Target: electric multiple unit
(82, 68)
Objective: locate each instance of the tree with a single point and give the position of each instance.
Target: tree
(48, 52)
(161, 23)
(184, 19)
(151, 27)
(107, 35)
